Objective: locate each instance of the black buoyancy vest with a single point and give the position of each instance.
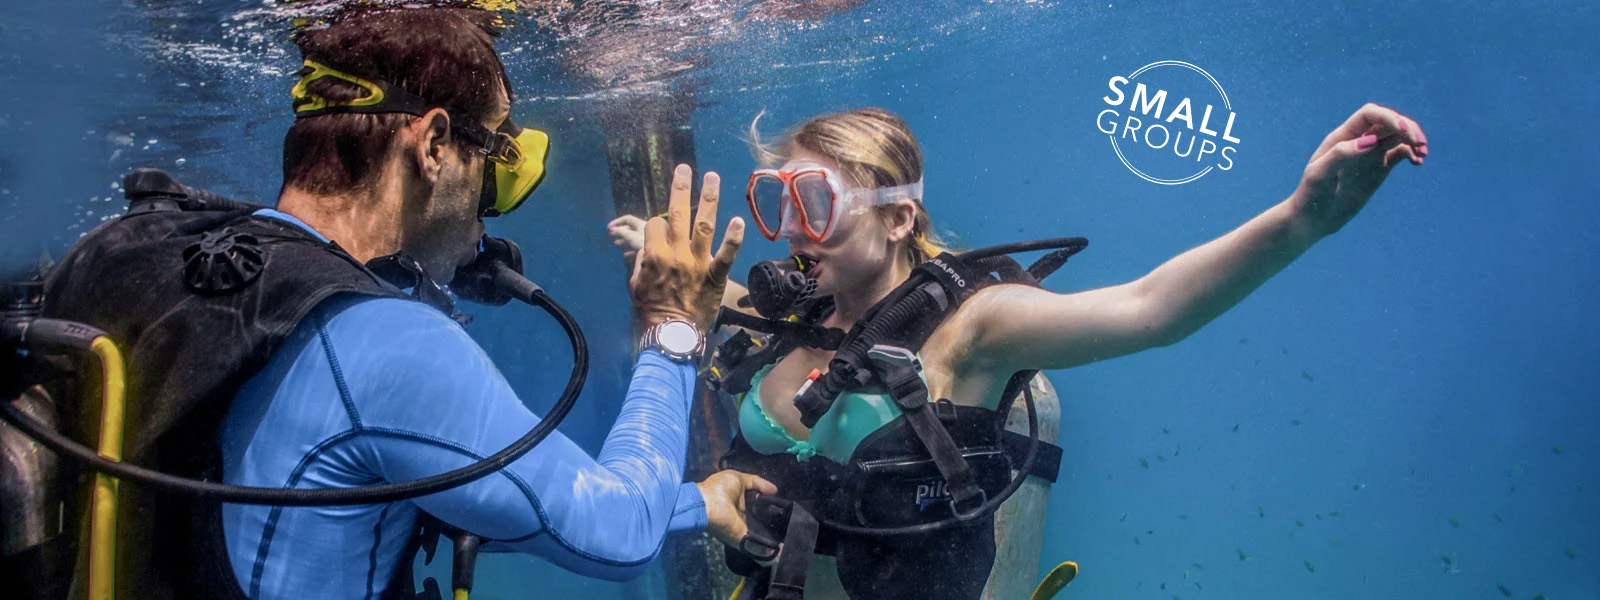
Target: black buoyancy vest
(890, 480)
(198, 302)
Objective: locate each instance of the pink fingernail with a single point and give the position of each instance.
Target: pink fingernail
(1366, 141)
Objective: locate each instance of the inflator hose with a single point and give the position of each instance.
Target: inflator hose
(513, 283)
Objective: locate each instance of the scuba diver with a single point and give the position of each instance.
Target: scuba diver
(306, 357)
(874, 369)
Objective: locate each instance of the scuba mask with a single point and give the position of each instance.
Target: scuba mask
(812, 200)
(514, 156)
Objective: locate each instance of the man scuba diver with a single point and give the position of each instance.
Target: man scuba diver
(297, 353)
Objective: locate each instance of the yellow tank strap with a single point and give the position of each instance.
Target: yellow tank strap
(738, 589)
(1058, 578)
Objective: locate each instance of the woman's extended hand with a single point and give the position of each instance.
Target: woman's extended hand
(627, 234)
(1352, 162)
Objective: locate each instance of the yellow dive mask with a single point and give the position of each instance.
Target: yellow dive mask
(515, 155)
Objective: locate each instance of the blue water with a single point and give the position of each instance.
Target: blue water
(1415, 373)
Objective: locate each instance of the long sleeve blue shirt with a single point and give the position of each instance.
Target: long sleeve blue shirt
(368, 391)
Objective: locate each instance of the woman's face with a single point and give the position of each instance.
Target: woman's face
(858, 249)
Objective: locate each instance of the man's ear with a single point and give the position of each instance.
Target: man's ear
(432, 135)
(901, 219)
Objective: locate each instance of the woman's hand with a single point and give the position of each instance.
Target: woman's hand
(627, 234)
(724, 495)
(1352, 162)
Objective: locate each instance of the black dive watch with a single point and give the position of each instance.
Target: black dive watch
(676, 339)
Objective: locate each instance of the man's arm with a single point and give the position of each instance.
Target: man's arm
(431, 401)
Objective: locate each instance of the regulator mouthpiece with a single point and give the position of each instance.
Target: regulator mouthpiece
(777, 286)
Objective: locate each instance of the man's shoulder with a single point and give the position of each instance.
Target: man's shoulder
(369, 313)
(366, 329)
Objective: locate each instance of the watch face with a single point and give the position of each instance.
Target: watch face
(678, 337)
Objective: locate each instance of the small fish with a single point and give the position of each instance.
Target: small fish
(1311, 567)
(1236, 428)
(1498, 518)
(1572, 555)
(1358, 487)
(1300, 523)
(1454, 522)
(1333, 513)
(1150, 532)
(1242, 556)
(1164, 431)
(1319, 516)
(1144, 463)
(1176, 450)
(1183, 517)
(1196, 565)
(1136, 540)
(1262, 510)
(1334, 541)
(1026, 181)
(1539, 597)
(1244, 340)
(1139, 586)
(1503, 590)
(1307, 376)
(1161, 458)
(1448, 560)
(1197, 586)
(1124, 518)
(1297, 421)
(1163, 585)
(1559, 449)
(1285, 351)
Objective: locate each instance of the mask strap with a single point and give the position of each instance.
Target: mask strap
(890, 195)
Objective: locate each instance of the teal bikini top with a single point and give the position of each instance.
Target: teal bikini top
(853, 417)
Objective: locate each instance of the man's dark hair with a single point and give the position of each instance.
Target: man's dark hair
(444, 55)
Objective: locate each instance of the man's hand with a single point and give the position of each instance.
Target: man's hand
(724, 495)
(1352, 162)
(674, 275)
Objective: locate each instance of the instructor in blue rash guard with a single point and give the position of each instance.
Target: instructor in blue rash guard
(370, 390)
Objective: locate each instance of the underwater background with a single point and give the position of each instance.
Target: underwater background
(1411, 410)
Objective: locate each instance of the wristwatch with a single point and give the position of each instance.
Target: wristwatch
(676, 339)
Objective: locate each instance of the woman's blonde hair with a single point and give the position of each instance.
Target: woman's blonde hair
(873, 146)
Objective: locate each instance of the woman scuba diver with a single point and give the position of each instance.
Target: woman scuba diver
(846, 193)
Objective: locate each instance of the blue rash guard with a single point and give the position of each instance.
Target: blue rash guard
(368, 391)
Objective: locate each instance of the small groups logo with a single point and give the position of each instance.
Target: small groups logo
(1168, 138)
